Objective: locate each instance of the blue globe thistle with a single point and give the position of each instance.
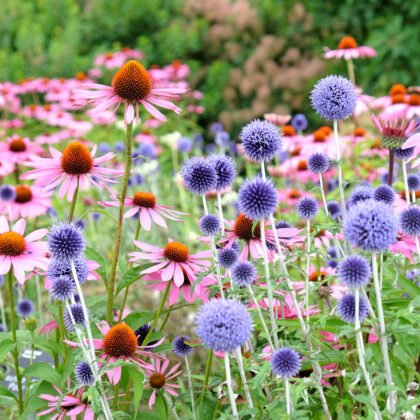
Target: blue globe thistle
(119, 146)
(346, 308)
(413, 182)
(299, 122)
(282, 224)
(257, 198)
(199, 176)
(62, 288)
(216, 127)
(58, 268)
(7, 193)
(283, 155)
(225, 170)
(354, 271)
(209, 225)
(77, 312)
(180, 346)
(285, 362)
(318, 163)
(332, 184)
(84, 375)
(334, 98)
(146, 151)
(332, 263)
(333, 208)
(222, 138)
(307, 208)
(141, 334)
(103, 148)
(360, 193)
(227, 257)
(384, 193)
(332, 252)
(261, 140)
(25, 308)
(244, 273)
(223, 324)
(403, 153)
(371, 225)
(410, 221)
(413, 274)
(65, 241)
(185, 144)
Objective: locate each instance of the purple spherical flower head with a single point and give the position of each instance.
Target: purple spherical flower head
(83, 374)
(410, 221)
(299, 122)
(283, 224)
(261, 140)
(346, 308)
(25, 308)
(244, 273)
(58, 268)
(384, 193)
(413, 182)
(354, 271)
(209, 225)
(371, 225)
(257, 198)
(228, 257)
(225, 170)
(216, 127)
(333, 208)
(223, 324)
(180, 346)
(403, 153)
(185, 144)
(7, 193)
(65, 241)
(62, 288)
(318, 163)
(285, 362)
(78, 317)
(307, 208)
(199, 176)
(334, 98)
(360, 193)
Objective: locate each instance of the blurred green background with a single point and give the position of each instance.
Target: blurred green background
(247, 56)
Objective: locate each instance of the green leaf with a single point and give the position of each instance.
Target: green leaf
(4, 392)
(44, 371)
(93, 254)
(136, 319)
(411, 288)
(6, 346)
(138, 385)
(131, 276)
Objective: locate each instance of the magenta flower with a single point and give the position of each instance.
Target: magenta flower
(348, 49)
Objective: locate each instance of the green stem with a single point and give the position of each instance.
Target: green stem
(61, 329)
(117, 245)
(166, 319)
(15, 348)
(207, 373)
(73, 202)
(350, 68)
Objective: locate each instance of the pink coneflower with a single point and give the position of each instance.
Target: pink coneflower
(405, 245)
(30, 202)
(23, 253)
(413, 141)
(6, 168)
(173, 262)
(277, 119)
(131, 85)
(17, 150)
(290, 196)
(70, 168)
(158, 379)
(348, 49)
(145, 204)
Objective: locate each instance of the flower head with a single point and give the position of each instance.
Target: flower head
(74, 313)
(346, 308)
(360, 193)
(210, 225)
(244, 273)
(7, 193)
(403, 154)
(299, 122)
(227, 257)
(348, 49)
(413, 181)
(199, 175)
(180, 346)
(225, 170)
(25, 308)
(318, 163)
(62, 288)
(285, 362)
(307, 208)
(384, 193)
(354, 271)
(62, 268)
(333, 208)
(410, 221)
(65, 241)
(83, 374)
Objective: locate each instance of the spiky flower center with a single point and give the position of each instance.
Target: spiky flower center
(397, 89)
(243, 228)
(157, 380)
(17, 145)
(288, 131)
(23, 194)
(317, 275)
(347, 42)
(76, 159)
(119, 341)
(294, 194)
(320, 136)
(399, 98)
(359, 132)
(132, 82)
(414, 100)
(12, 244)
(144, 199)
(175, 251)
(296, 151)
(302, 165)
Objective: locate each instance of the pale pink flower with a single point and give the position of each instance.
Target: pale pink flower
(348, 49)
(17, 150)
(277, 119)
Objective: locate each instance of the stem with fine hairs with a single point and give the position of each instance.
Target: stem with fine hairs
(340, 170)
(73, 202)
(229, 387)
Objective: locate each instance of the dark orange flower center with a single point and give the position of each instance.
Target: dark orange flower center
(377, 144)
(132, 82)
(302, 165)
(17, 145)
(288, 131)
(119, 341)
(23, 194)
(294, 194)
(175, 251)
(243, 228)
(12, 244)
(326, 129)
(296, 151)
(359, 132)
(157, 380)
(399, 98)
(47, 107)
(414, 100)
(317, 275)
(397, 89)
(144, 199)
(347, 42)
(320, 136)
(80, 75)
(76, 159)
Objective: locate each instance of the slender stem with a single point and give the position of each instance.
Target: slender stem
(170, 405)
(413, 193)
(220, 210)
(324, 199)
(39, 300)
(308, 261)
(229, 387)
(62, 330)
(287, 392)
(407, 192)
(73, 202)
(243, 379)
(117, 244)
(350, 68)
(207, 373)
(340, 170)
(187, 367)
(391, 168)
(3, 312)
(416, 240)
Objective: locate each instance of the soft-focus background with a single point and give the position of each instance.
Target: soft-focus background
(248, 57)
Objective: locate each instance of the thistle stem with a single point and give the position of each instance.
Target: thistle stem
(187, 367)
(289, 407)
(404, 171)
(229, 387)
(243, 379)
(170, 405)
(308, 261)
(220, 210)
(324, 199)
(340, 170)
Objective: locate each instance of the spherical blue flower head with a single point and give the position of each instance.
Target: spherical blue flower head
(360, 193)
(283, 155)
(180, 346)
(354, 271)
(334, 98)
(261, 140)
(199, 176)
(257, 199)
(228, 257)
(77, 312)
(185, 144)
(25, 308)
(62, 288)
(216, 127)
(299, 122)
(222, 138)
(413, 274)
(410, 221)
(318, 163)
(209, 225)
(83, 374)
(2, 329)
(95, 216)
(403, 153)
(141, 334)
(282, 224)
(223, 324)
(285, 362)
(146, 150)
(119, 146)
(103, 148)
(346, 308)
(65, 241)
(332, 252)
(332, 263)
(371, 225)
(244, 273)
(7, 193)
(413, 182)
(225, 170)
(307, 208)
(384, 193)
(58, 268)
(333, 208)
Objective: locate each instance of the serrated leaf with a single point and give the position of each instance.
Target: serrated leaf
(43, 371)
